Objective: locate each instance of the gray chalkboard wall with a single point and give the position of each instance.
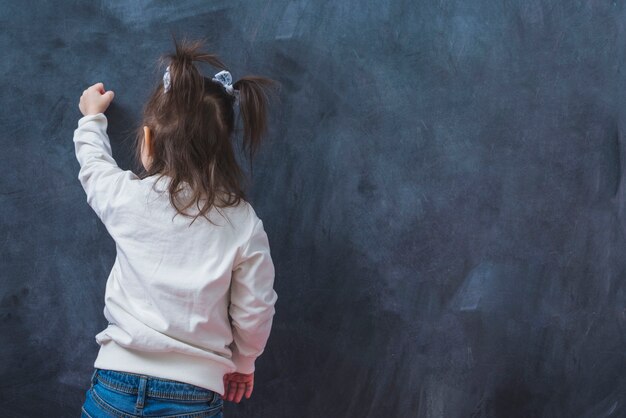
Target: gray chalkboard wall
(443, 189)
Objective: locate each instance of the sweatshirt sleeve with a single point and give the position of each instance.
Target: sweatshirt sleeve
(252, 300)
(99, 174)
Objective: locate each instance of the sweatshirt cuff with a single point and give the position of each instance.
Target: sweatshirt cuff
(243, 363)
(97, 116)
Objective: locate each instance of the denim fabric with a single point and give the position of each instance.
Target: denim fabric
(125, 395)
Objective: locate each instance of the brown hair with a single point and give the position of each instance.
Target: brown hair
(192, 126)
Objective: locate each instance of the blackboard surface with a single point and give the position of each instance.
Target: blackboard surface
(443, 188)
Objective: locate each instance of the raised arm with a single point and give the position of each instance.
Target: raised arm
(99, 174)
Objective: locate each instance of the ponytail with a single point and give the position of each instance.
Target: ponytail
(186, 89)
(253, 103)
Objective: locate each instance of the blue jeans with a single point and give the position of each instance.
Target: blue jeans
(128, 395)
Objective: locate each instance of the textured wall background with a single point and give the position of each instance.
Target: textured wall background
(443, 190)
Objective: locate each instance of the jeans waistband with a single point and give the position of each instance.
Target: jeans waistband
(155, 387)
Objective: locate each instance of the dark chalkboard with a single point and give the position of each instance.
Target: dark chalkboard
(443, 188)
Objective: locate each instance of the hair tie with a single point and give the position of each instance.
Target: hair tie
(166, 80)
(224, 78)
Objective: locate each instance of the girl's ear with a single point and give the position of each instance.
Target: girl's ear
(147, 138)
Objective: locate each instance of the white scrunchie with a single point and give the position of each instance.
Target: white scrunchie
(166, 80)
(226, 80)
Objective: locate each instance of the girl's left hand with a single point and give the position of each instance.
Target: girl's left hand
(95, 100)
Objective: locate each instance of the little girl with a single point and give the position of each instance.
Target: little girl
(189, 305)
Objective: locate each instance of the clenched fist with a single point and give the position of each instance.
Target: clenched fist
(95, 100)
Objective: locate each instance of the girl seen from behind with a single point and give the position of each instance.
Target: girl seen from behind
(190, 298)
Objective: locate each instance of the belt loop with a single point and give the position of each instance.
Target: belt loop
(94, 377)
(141, 392)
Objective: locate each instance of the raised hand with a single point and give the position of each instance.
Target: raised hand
(95, 100)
